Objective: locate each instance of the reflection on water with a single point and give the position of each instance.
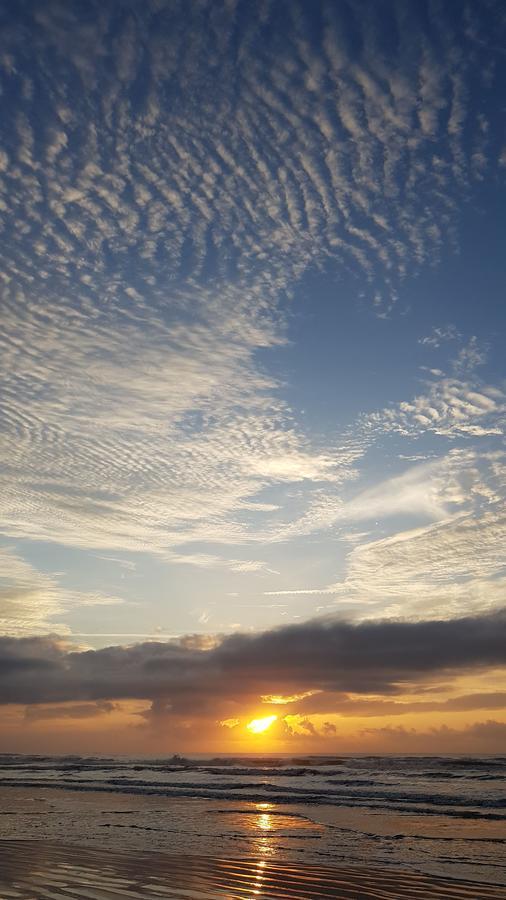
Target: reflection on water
(269, 829)
(265, 823)
(36, 869)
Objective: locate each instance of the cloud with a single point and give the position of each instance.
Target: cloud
(470, 356)
(157, 223)
(30, 600)
(358, 707)
(439, 336)
(481, 737)
(451, 408)
(446, 567)
(211, 561)
(444, 553)
(420, 491)
(75, 711)
(325, 656)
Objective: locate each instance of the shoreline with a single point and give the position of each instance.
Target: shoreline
(68, 870)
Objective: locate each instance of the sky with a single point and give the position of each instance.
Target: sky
(253, 391)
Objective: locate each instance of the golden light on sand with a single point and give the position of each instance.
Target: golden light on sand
(258, 726)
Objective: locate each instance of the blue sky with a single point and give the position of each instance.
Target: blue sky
(253, 322)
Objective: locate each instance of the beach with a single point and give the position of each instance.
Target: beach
(441, 816)
(57, 843)
(257, 827)
(38, 869)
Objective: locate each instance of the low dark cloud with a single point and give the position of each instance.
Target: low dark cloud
(488, 737)
(74, 711)
(490, 729)
(327, 656)
(355, 706)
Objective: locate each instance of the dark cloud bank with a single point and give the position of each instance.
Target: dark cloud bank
(329, 656)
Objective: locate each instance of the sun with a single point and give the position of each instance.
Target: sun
(258, 726)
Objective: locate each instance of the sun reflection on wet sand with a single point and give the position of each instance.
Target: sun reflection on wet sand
(259, 877)
(30, 869)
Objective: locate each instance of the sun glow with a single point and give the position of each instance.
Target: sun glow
(258, 726)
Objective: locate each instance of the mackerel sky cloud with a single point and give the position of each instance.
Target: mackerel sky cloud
(252, 315)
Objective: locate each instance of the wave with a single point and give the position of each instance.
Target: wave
(316, 761)
(265, 792)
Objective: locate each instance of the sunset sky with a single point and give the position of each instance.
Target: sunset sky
(252, 360)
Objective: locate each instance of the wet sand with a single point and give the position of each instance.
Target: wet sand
(38, 870)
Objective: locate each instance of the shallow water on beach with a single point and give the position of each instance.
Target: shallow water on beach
(41, 871)
(264, 831)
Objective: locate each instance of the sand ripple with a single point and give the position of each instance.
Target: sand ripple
(37, 870)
